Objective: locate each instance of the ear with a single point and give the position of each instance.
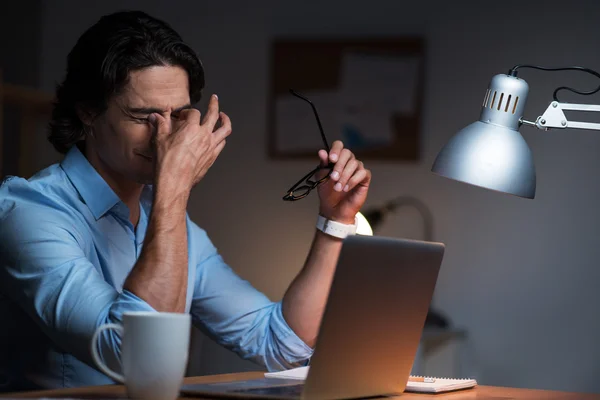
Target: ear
(85, 115)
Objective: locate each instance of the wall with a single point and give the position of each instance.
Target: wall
(520, 275)
(20, 41)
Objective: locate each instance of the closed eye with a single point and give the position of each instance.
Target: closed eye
(140, 120)
(135, 113)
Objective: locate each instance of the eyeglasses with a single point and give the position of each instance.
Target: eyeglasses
(310, 181)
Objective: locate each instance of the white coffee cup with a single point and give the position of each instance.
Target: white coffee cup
(154, 353)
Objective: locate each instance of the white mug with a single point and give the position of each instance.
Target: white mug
(154, 353)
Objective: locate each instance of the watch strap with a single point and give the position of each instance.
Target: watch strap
(334, 228)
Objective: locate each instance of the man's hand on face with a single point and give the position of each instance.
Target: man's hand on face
(186, 151)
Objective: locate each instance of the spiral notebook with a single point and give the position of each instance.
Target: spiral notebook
(418, 384)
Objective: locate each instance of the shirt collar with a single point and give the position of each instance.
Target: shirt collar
(92, 188)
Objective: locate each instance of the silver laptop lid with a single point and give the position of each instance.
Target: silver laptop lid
(374, 317)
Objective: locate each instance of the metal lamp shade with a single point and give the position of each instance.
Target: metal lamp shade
(491, 153)
(489, 156)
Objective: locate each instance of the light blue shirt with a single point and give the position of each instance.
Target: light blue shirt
(66, 247)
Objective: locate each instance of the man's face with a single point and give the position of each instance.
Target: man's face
(121, 136)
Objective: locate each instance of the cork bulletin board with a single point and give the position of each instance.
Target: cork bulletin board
(368, 93)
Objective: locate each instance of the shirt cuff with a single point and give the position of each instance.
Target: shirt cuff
(128, 302)
(293, 349)
(110, 341)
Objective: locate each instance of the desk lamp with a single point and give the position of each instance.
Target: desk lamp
(491, 153)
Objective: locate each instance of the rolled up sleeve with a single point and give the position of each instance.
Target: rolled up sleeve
(44, 270)
(241, 318)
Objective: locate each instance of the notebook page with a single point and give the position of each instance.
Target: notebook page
(295, 373)
(440, 385)
(431, 384)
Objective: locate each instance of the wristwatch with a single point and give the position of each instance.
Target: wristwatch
(334, 228)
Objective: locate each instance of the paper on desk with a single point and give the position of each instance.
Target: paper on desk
(295, 373)
(295, 123)
(372, 89)
(435, 385)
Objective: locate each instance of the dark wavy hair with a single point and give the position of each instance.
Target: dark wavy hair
(99, 65)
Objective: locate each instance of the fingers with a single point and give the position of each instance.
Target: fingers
(160, 126)
(190, 115)
(348, 172)
(220, 147)
(225, 128)
(212, 115)
(207, 162)
(334, 152)
(361, 177)
(351, 166)
(215, 154)
(345, 155)
(324, 160)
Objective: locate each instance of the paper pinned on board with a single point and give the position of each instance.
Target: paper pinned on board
(359, 112)
(372, 89)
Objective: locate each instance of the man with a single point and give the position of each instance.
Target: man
(106, 230)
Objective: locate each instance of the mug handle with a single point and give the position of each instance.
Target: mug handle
(96, 356)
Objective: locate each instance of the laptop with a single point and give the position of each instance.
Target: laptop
(370, 330)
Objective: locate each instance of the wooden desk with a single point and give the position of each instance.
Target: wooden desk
(478, 393)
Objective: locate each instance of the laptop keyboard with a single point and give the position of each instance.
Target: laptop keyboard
(290, 390)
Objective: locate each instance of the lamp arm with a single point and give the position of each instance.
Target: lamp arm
(421, 208)
(554, 117)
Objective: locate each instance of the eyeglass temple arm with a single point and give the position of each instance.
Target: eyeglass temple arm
(292, 91)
